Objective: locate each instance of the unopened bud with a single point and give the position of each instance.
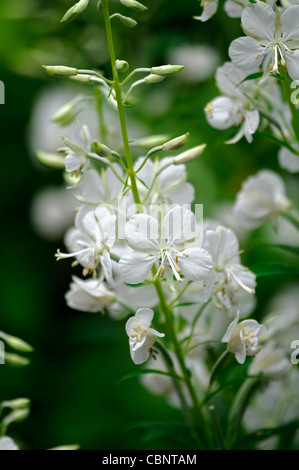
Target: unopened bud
(166, 70)
(64, 115)
(16, 343)
(81, 78)
(69, 447)
(127, 21)
(134, 5)
(121, 65)
(16, 415)
(176, 143)
(16, 360)
(74, 11)
(17, 403)
(151, 141)
(60, 71)
(153, 78)
(189, 155)
(101, 149)
(51, 160)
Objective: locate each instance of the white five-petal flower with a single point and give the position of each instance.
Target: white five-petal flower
(233, 108)
(141, 335)
(271, 40)
(164, 245)
(90, 241)
(76, 158)
(242, 338)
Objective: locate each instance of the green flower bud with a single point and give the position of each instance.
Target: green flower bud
(101, 149)
(176, 143)
(16, 343)
(17, 403)
(64, 115)
(134, 5)
(74, 11)
(51, 160)
(16, 415)
(16, 360)
(69, 447)
(127, 21)
(151, 141)
(153, 78)
(60, 71)
(167, 70)
(81, 78)
(121, 65)
(189, 155)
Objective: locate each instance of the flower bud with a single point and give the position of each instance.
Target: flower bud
(101, 149)
(64, 115)
(60, 71)
(151, 141)
(68, 447)
(153, 78)
(16, 343)
(16, 360)
(134, 5)
(51, 160)
(189, 155)
(121, 65)
(17, 403)
(81, 78)
(74, 11)
(176, 143)
(127, 21)
(167, 70)
(16, 415)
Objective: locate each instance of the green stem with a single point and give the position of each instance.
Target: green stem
(179, 354)
(118, 96)
(102, 127)
(286, 89)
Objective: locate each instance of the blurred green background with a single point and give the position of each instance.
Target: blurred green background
(79, 358)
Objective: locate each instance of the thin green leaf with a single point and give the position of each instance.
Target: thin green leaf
(252, 76)
(265, 433)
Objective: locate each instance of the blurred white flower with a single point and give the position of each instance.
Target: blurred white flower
(200, 61)
(141, 336)
(271, 361)
(209, 9)
(6, 443)
(242, 338)
(52, 212)
(262, 196)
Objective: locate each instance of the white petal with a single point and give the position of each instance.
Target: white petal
(223, 245)
(233, 9)
(91, 187)
(209, 11)
(252, 120)
(259, 20)
(289, 23)
(246, 53)
(197, 265)
(135, 267)
(73, 162)
(141, 355)
(221, 113)
(179, 225)
(145, 316)
(142, 232)
(293, 64)
(288, 160)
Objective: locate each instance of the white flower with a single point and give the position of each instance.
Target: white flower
(234, 107)
(200, 61)
(170, 186)
(90, 296)
(209, 9)
(242, 338)
(95, 188)
(76, 158)
(262, 196)
(141, 336)
(271, 40)
(271, 361)
(90, 240)
(232, 281)
(164, 245)
(288, 159)
(6, 443)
